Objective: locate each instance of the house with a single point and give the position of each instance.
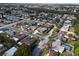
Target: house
(11, 18)
(66, 36)
(16, 39)
(22, 38)
(10, 52)
(1, 32)
(76, 36)
(27, 40)
(73, 17)
(56, 46)
(66, 47)
(67, 23)
(19, 37)
(33, 27)
(47, 25)
(62, 38)
(30, 22)
(59, 49)
(10, 32)
(56, 43)
(0, 20)
(53, 53)
(0, 15)
(68, 53)
(35, 32)
(4, 29)
(1, 46)
(69, 18)
(63, 32)
(40, 23)
(75, 10)
(22, 28)
(64, 28)
(64, 16)
(41, 29)
(19, 43)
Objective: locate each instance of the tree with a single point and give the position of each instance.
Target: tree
(77, 51)
(23, 50)
(76, 48)
(4, 39)
(76, 26)
(77, 29)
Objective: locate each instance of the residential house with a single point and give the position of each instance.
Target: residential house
(1, 32)
(66, 47)
(22, 38)
(65, 27)
(67, 23)
(53, 53)
(33, 27)
(27, 40)
(10, 52)
(35, 32)
(1, 46)
(19, 37)
(41, 29)
(10, 32)
(56, 46)
(59, 49)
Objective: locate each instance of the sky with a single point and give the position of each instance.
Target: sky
(40, 1)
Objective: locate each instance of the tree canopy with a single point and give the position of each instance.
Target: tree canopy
(76, 25)
(23, 50)
(76, 48)
(4, 39)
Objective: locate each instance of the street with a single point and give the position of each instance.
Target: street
(42, 42)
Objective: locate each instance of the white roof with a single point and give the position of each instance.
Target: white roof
(1, 32)
(64, 28)
(1, 45)
(10, 52)
(36, 31)
(59, 49)
(56, 46)
(56, 43)
(19, 43)
(66, 36)
(67, 21)
(16, 39)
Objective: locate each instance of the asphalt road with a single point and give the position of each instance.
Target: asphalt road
(37, 50)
